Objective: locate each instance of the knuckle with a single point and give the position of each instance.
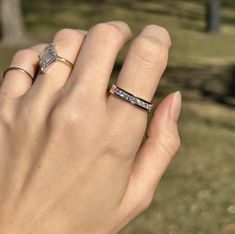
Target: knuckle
(113, 145)
(147, 50)
(6, 113)
(144, 203)
(30, 111)
(24, 53)
(104, 32)
(64, 116)
(122, 28)
(177, 142)
(159, 33)
(123, 24)
(66, 34)
(170, 143)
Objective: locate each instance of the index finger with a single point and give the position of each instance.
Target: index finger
(144, 64)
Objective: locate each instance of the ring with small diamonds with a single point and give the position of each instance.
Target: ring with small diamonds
(49, 56)
(128, 97)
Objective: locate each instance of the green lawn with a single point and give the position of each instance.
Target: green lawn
(197, 194)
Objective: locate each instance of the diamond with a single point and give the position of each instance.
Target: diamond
(47, 57)
(132, 99)
(118, 91)
(126, 97)
(121, 93)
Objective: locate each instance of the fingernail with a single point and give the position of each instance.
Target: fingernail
(176, 106)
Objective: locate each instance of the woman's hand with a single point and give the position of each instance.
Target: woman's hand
(72, 158)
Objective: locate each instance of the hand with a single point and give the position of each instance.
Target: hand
(72, 158)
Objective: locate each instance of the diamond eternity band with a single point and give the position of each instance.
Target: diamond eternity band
(126, 96)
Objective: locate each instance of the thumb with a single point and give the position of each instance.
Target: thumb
(154, 155)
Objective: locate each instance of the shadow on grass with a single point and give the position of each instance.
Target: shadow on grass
(214, 82)
(231, 88)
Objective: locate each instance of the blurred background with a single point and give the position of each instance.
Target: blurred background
(197, 194)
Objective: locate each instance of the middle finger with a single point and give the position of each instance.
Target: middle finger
(143, 66)
(97, 57)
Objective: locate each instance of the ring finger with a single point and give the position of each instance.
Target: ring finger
(67, 43)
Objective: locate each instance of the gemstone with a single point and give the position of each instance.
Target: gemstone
(121, 93)
(118, 92)
(132, 99)
(126, 96)
(47, 57)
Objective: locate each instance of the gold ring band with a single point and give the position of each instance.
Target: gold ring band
(64, 61)
(18, 69)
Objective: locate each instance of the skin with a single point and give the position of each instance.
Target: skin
(73, 158)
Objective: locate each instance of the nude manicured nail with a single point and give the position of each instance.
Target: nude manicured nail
(176, 106)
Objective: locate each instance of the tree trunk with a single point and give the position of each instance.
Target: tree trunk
(13, 32)
(212, 15)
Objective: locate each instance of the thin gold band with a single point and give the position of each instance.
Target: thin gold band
(64, 61)
(18, 69)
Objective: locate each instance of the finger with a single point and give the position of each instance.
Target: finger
(144, 64)
(67, 43)
(97, 57)
(15, 82)
(154, 155)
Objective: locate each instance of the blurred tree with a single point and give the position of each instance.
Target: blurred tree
(12, 26)
(213, 15)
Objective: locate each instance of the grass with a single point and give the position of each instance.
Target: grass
(197, 194)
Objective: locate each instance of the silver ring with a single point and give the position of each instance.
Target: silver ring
(49, 56)
(128, 97)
